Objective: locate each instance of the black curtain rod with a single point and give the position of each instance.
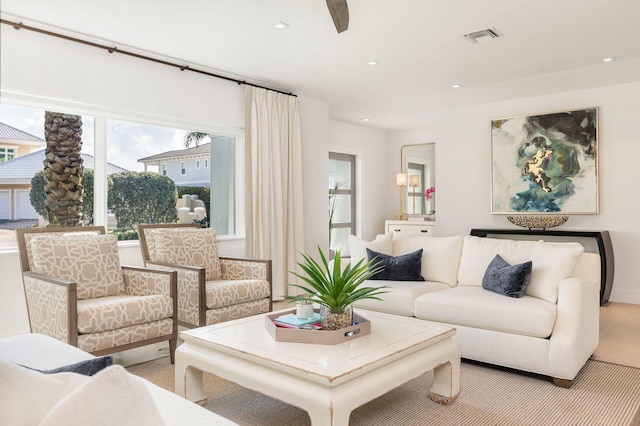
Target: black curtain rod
(110, 49)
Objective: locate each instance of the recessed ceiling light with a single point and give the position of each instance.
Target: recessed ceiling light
(373, 63)
(365, 119)
(456, 86)
(610, 59)
(280, 25)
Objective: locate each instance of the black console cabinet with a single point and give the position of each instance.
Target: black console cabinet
(604, 246)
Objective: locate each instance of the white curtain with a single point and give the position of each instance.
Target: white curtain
(273, 183)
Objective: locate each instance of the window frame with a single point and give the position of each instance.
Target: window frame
(102, 113)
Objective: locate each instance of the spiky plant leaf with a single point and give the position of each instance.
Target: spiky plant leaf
(334, 287)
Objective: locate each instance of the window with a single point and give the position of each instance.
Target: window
(7, 154)
(121, 146)
(198, 164)
(206, 164)
(342, 200)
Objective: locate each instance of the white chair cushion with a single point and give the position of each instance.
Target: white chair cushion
(90, 260)
(476, 307)
(478, 252)
(552, 263)
(440, 255)
(184, 246)
(358, 247)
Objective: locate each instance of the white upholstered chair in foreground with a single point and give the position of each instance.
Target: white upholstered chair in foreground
(77, 292)
(211, 289)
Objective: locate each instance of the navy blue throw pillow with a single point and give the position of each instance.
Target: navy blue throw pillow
(87, 368)
(509, 280)
(399, 268)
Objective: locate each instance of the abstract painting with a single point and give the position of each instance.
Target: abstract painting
(545, 163)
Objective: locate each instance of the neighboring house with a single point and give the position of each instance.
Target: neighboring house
(186, 167)
(15, 183)
(16, 143)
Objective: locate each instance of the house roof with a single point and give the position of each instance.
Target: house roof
(10, 132)
(196, 151)
(26, 166)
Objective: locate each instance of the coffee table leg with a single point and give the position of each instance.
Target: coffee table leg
(446, 380)
(330, 415)
(188, 381)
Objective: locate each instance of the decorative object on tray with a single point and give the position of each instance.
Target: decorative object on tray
(545, 163)
(538, 222)
(334, 288)
(304, 309)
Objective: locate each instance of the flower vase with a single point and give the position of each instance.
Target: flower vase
(336, 318)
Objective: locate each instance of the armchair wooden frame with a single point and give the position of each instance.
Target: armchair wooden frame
(201, 295)
(70, 334)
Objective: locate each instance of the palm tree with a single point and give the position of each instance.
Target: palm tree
(63, 169)
(195, 138)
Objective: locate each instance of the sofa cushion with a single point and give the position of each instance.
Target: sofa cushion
(508, 280)
(476, 307)
(478, 252)
(406, 267)
(223, 293)
(400, 299)
(552, 262)
(440, 255)
(189, 246)
(358, 247)
(116, 312)
(92, 261)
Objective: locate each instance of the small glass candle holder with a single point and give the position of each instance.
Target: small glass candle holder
(304, 310)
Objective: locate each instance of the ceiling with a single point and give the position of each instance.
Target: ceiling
(547, 46)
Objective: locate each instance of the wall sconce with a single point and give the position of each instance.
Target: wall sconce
(414, 181)
(401, 181)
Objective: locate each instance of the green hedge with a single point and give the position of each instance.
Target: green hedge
(142, 197)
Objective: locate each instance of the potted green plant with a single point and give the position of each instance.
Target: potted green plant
(334, 288)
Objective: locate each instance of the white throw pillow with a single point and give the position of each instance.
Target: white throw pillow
(111, 397)
(26, 396)
(478, 252)
(552, 263)
(358, 247)
(440, 256)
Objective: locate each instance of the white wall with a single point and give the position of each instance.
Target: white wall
(463, 158)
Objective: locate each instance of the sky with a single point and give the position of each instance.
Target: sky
(127, 142)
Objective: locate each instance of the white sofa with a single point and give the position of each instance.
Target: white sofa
(62, 398)
(551, 330)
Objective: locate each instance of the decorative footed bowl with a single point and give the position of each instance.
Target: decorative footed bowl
(537, 222)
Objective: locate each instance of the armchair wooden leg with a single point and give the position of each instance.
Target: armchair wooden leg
(173, 343)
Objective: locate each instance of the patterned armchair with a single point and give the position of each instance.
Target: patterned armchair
(77, 292)
(211, 289)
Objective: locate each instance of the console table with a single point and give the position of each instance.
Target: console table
(604, 247)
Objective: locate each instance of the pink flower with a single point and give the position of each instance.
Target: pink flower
(429, 193)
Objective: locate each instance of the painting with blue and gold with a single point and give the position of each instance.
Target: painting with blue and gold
(545, 163)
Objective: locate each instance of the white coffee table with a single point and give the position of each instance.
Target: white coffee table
(328, 381)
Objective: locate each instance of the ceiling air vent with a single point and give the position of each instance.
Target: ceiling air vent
(482, 35)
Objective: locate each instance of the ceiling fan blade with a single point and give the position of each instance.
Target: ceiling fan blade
(340, 14)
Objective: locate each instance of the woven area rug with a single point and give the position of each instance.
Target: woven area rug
(602, 394)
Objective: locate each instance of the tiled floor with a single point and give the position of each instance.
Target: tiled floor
(619, 334)
(619, 338)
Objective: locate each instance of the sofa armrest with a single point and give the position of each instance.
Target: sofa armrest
(145, 282)
(191, 291)
(248, 269)
(45, 295)
(577, 329)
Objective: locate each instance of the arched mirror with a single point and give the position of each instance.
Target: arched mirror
(418, 165)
